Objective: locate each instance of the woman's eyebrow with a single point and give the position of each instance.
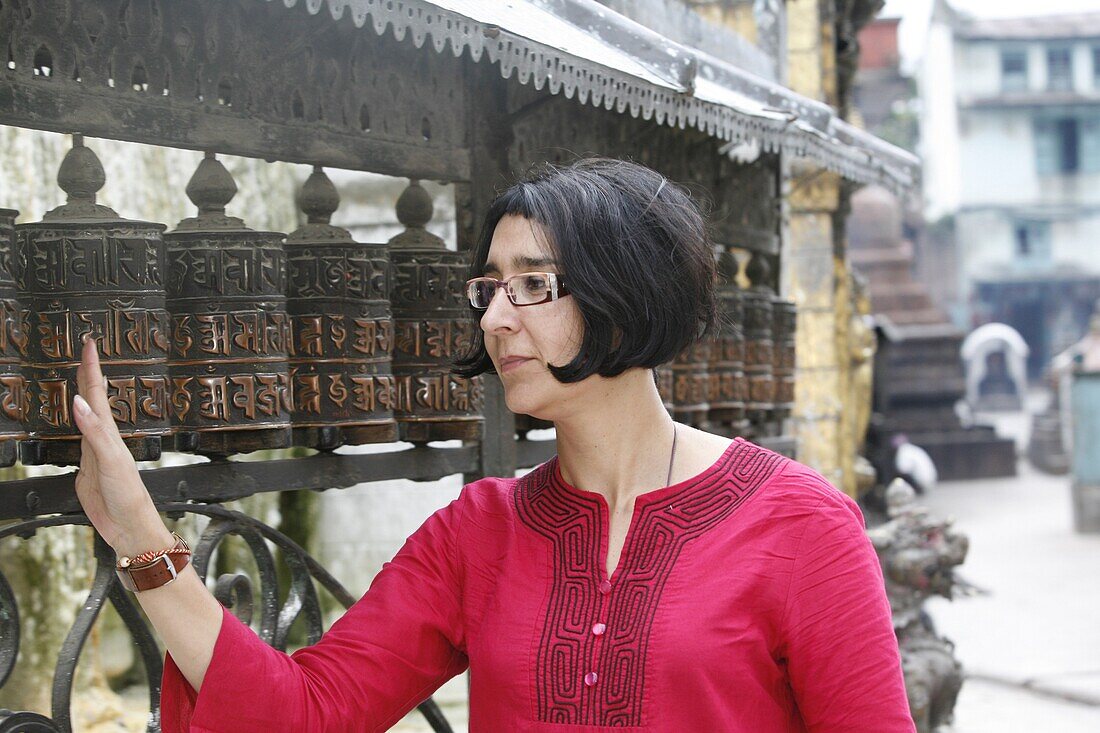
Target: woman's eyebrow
(520, 262)
(525, 261)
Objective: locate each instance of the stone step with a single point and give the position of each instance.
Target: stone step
(928, 315)
(900, 301)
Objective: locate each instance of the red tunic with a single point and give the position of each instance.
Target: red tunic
(747, 598)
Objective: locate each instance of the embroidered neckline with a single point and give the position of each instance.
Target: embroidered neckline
(587, 678)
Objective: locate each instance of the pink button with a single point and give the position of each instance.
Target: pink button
(590, 679)
(598, 629)
(605, 587)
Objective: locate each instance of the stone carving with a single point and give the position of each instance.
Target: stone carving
(919, 553)
(84, 272)
(230, 384)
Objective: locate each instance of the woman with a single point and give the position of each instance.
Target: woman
(651, 576)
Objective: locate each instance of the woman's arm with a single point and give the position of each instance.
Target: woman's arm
(388, 653)
(111, 491)
(842, 653)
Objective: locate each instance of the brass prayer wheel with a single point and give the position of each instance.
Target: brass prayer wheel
(784, 320)
(727, 387)
(230, 385)
(85, 272)
(12, 344)
(759, 359)
(690, 383)
(432, 326)
(662, 375)
(342, 330)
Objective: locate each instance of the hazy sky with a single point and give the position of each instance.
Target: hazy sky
(914, 15)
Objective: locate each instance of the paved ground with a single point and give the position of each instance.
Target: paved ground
(1031, 647)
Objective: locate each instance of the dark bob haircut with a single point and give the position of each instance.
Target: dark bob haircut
(633, 250)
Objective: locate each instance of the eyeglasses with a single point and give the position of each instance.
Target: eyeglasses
(527, 288)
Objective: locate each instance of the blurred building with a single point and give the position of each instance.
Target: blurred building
(918, 375)
(1010, 138)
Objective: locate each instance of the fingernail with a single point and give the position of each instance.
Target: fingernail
(81, 406)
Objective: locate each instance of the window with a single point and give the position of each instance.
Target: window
(1014, 71)
(1032, 239)
(1067, 144)
(1059, 69)
(1096, 68)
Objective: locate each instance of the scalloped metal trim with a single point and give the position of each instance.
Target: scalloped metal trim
(708, 94)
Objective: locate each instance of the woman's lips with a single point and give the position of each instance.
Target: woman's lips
(512, 363)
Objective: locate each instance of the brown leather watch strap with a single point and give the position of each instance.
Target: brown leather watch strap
(161, 570)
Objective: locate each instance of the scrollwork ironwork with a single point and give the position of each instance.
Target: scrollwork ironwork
(233, 590)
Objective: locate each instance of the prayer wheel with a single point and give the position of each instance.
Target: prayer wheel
(342, 330)
(662, 375)
(432, 326)
(759, 359)
(784, 320)
(85, 272)
(12, 344)
(728, 389)
(690, 383)
(230, 383)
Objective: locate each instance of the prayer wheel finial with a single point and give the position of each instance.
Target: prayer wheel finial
(211, 187)
(759, 271)
(81, 174)
(414, 210)
(318, 198)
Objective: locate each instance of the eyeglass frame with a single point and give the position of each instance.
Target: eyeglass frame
(557, 289)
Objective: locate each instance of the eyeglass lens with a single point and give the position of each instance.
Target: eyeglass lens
(525, 289)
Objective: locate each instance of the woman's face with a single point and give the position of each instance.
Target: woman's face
(523, 340)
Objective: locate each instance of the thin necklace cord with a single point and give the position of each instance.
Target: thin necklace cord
(672, 456)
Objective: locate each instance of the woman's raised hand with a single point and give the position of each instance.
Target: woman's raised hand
(108, 484)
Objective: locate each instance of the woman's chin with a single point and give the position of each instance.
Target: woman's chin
(521, 406)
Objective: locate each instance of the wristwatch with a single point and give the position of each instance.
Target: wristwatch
(153, 569)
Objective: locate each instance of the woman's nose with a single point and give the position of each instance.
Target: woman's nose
(501, 313)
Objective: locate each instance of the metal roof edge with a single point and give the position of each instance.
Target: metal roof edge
(621, 68)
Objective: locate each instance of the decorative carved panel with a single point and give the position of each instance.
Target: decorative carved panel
(251, 78)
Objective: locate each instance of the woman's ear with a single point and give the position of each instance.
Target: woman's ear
(616, 339)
